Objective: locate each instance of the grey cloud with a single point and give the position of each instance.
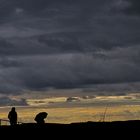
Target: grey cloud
(77, 70)
(67, 44)
(9, 62)
(80, 10)
(69, 33)
(6, 101)
(134, 8)
(73, 39)
(73, 99)
(9, 79)
(71, 70)
(120, 89)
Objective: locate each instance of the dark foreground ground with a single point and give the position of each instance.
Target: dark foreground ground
(87, 130)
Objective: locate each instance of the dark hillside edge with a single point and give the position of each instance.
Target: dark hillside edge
(85, 129)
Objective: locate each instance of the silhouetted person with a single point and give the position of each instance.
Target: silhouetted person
(40, 117)
(12, 116)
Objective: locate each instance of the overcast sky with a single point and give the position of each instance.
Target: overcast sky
(66, 44)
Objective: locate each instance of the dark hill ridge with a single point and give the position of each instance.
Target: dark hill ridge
(81, 125)
(74, 130)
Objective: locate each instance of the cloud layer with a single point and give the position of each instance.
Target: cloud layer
(68, 44)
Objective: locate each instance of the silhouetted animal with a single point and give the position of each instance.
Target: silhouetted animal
(12, 116)
(40, 117)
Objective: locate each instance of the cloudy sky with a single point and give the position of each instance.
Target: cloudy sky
(68, 44)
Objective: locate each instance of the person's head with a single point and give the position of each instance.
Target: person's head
(45, 114)
(13, 109)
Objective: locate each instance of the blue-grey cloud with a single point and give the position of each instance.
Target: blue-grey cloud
(68, 44)
(6, 101)
(133, 8)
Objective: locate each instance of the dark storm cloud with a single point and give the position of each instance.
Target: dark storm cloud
(80, 70)
(134, 7)
(38, 6)
(8, 62)
(67, 44)
(69, 71)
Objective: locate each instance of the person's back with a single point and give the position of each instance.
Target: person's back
(12, 116)
(40, 117)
